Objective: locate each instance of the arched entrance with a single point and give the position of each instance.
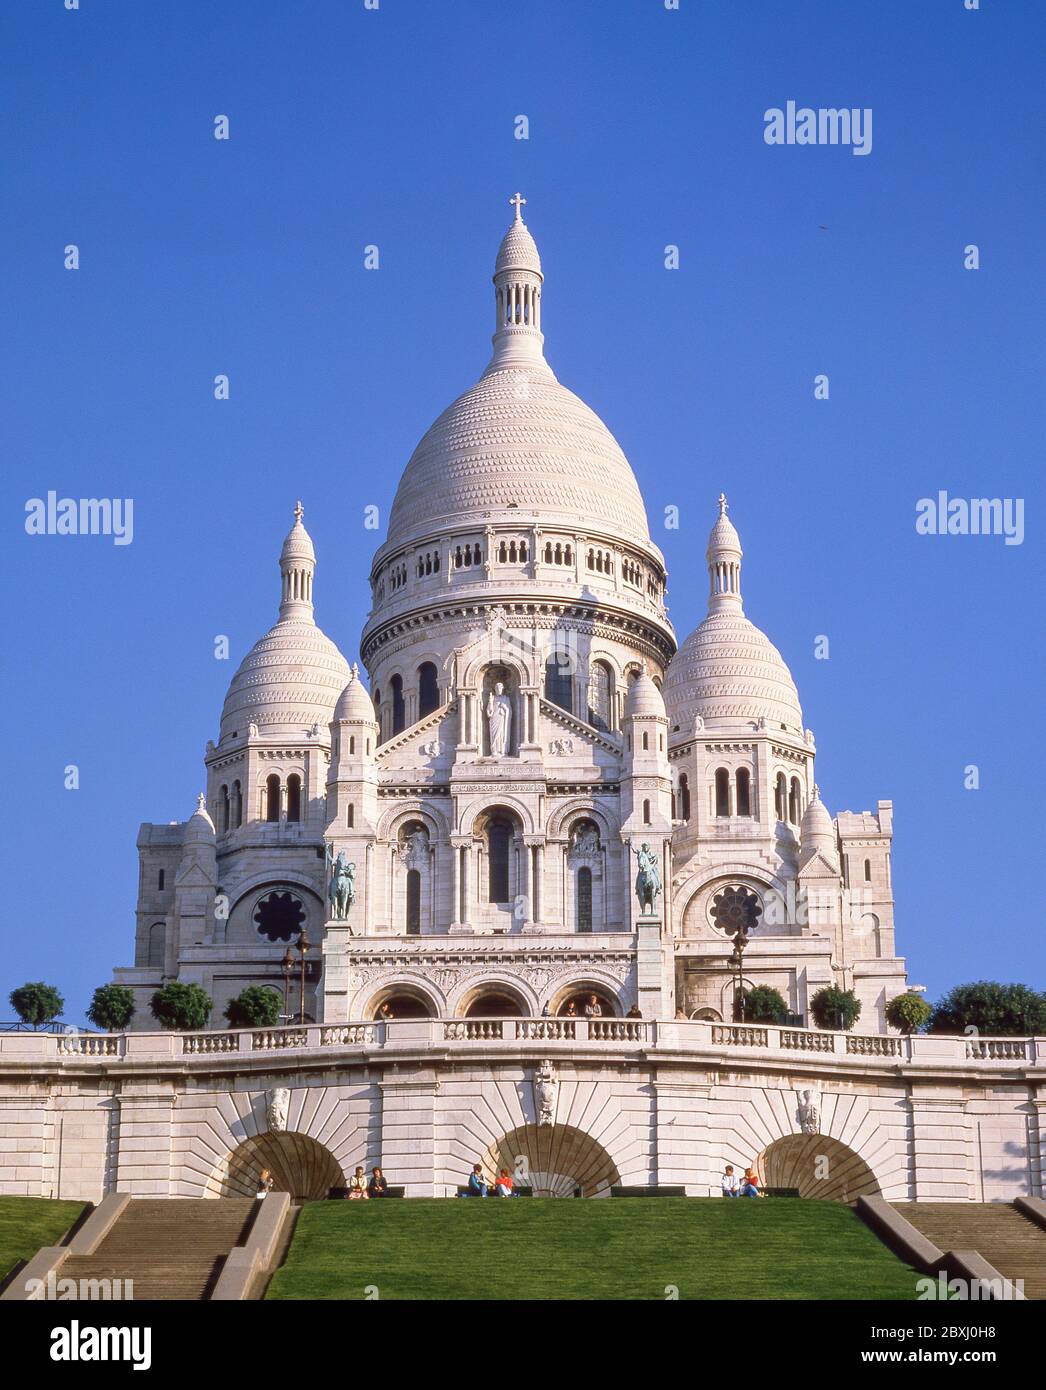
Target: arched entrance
(818, 1166)
(494, 1003)
(555, 1160)
(581, 994)
(399, 1001)
(299, 1165)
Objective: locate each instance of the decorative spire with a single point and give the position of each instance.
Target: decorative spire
(724, 564)
(201, 803)
(297, 567)
(518, 340)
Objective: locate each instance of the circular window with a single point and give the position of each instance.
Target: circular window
(736, 909)
(279, 916)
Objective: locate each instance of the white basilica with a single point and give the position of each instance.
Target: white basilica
(465, 838)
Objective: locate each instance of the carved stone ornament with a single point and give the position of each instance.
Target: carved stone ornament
(277, 1105)
(546, 1089)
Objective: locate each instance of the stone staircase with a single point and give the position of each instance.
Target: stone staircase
(1013, 1243)
(172, 1248)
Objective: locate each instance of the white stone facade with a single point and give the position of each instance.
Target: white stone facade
(589, 1103)
(529, 727)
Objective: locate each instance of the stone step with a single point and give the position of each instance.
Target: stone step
(168, 1249)
(1015, 1245)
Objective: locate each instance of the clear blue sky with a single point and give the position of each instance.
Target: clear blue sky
(351, 127)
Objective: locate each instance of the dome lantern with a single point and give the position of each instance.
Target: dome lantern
(518, 340)
(297, 567)
(724, 564)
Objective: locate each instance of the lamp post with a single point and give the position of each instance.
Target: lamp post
(287, 965)
(303, 950)
(740, 942)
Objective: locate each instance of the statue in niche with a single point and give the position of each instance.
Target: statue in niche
(585, 841)
(545, 1088)
(809, 1112)
(648, 880)
(277, 1104)
(499, 720)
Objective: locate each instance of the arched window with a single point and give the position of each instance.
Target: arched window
(558, 685)
(376, 697)
(352, 744)
(399, 707)
(499, 840)
(272, 797)
(781, 797)
(867, 871)
(294, 797)
(223, 813)
(600, 696)
(156, 945)
(237, 805)
(583, 895)
(684, 797)
(428, 689)
(413, 902)
(795, 810)
(646, 812)
(744, 792)
(722, 792)
(350, 816)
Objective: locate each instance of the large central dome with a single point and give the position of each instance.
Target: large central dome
(519, 440)
(518, 444)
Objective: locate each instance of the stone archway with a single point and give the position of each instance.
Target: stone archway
(299, 1165)
(555, 1160)
(818, 1166)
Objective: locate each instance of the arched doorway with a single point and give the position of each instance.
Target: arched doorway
(494, 1003)
(299, 1165)
(554, 1160)
(818, 1167)
(400, 1001)
(579, 995)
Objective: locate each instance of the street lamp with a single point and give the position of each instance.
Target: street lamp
(288, 965)
(740, 942)
(303, 948)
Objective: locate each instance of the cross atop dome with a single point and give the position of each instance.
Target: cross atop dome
(722, 504)
(517, 202)
(299, 511)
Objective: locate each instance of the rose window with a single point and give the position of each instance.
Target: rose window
(279, 916)
(736, 909)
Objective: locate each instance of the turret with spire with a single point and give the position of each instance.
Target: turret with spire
(724, 564)
(518, 280)
(297, 567)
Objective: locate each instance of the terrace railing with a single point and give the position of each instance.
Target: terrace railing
(612, 1035)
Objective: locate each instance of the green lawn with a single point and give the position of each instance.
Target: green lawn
(26, 1223)
(621, 1248)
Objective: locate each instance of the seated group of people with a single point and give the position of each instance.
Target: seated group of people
(748, 1186)
(360, 1187)
(477, 1185)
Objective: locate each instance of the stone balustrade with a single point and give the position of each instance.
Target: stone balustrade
(614, 1034)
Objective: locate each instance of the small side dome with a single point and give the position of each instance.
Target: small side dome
(354, 703)
(644, 700)
(199, 828)
(817, 833)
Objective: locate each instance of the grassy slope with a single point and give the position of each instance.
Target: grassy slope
(624, 1248)
(26, 1223)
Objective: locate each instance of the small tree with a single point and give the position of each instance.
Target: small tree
(181, 1006)
(835, 1008)
(254, 1007)
(990, 1009)
(112, 1008)
(37, 1003)
(907, 1012)
(761, 1004)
